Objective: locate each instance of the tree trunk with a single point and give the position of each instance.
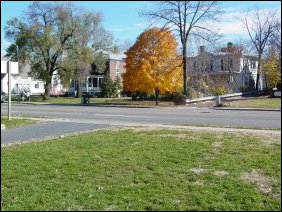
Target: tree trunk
(157, 96)
(47, 87)
(258, 73)
(78, 93)
(185, 83)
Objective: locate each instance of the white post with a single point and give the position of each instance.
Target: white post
(87, 88)
(9, 90)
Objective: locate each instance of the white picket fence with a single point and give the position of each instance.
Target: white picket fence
(209, 98)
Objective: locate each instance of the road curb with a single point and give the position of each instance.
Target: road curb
(246, 109)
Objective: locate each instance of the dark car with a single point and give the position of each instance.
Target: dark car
(3, 96)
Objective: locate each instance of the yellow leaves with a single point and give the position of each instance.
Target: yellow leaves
(153, 62)
(271, 68)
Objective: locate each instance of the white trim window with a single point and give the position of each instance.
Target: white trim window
(36, 85)
(117, 68)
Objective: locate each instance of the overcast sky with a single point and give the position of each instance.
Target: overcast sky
(122, 19)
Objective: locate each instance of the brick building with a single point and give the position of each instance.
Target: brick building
(115, 67)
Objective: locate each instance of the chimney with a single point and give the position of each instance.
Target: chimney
(202, 49)
(229, 45)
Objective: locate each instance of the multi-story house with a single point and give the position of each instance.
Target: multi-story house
(115, 67)
(230, 65)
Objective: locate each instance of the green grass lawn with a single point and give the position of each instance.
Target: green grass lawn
(14, 122)
(145, 170)
(258, 103)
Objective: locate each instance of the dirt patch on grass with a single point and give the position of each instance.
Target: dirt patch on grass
(111, 208)
(271, 140)
(171, 135)
(216, 144)
(199, 171)
(262, 182)
(198, 183)
(220, 173)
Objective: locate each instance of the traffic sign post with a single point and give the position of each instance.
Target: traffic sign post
(9, 90)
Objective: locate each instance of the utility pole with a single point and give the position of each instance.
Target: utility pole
(9, 90)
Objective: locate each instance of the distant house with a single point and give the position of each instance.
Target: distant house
(238, 70)
(22, 81)
(115, 67)
(4, 75)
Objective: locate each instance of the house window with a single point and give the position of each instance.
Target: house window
(246, 81)
(222, 65)
(211, 65)
(231, 64)
(253, 64)
(117, 68)
(100, 81)
(95, 82)
(90, 84)
(36, 85)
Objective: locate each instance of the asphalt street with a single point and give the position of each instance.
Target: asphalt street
(132, 115)
(69, 118)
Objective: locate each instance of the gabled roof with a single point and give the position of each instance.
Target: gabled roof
(114, 56)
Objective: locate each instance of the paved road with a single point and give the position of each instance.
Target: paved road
(42, 130)
(112, 115)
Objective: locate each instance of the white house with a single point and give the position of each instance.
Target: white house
(4, 74)
(20, 80)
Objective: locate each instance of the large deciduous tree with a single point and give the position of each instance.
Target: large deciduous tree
(260, 26)
(271, 69)
(188, 19)
(153, 63)
(42, 35)
(88, 39)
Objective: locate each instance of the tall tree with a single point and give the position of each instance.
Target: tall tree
(188, 19)
(260, 26)
(88, 39)
(153, 63)
(271, 69)
(43, 35)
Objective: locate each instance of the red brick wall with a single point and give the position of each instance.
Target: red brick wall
(112, 67)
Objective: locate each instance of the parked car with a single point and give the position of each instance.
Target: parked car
(3, 96)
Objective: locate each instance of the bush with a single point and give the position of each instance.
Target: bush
(179, 98)
(43, 96)
(110, 89)
(139, 95)
(167, 97)
(193, 94)
(219, 90)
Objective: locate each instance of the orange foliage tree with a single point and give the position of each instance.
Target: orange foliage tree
(153, 63)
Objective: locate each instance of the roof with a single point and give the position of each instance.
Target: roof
(114, 56)
(214, 54)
